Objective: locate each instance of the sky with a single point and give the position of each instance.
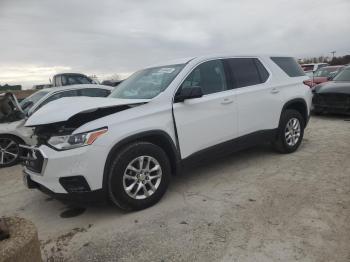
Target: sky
(39, 38)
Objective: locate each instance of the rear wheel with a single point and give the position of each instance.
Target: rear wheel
(9, 150)
(139, 176)
(290, 132)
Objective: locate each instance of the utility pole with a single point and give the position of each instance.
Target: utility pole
(333, 53)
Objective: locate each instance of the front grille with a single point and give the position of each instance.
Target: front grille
(332, 100)
(33, 160)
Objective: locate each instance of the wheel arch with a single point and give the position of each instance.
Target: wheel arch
(300, 105)
(157, 137)
(14, 136)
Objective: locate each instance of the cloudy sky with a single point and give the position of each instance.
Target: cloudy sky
(41, 37)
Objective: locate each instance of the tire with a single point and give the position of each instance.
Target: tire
(124, 166)
(282, 144)
(9, 145)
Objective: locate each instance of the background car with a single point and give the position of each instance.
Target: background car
(324, 74)
(313, 67)
(66, 79)
(111, 82)
(333, 96)
(12, 130)
(309, 69)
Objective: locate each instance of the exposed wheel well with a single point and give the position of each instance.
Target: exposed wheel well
(159, 138)
(14, 136)
(300, 106)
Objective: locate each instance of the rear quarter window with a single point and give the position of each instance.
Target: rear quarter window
(289, 65)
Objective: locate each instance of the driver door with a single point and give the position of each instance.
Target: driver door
(211, 119)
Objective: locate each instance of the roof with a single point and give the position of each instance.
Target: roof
(74, 87)
(204, 57)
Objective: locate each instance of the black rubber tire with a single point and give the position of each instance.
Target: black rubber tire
(281, 144)
(18, 142)
(116, 191)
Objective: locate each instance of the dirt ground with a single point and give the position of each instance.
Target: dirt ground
(256, 205)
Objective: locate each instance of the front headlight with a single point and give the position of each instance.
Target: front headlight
(77, 140)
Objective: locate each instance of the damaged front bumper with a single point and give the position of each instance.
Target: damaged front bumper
(72, 174)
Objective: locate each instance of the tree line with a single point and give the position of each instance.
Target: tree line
(337, 60)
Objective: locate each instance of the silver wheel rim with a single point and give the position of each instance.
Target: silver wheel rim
(9, 151)
(142, 177)
(292, 132)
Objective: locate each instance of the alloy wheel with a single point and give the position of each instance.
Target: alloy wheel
(9, 151)
(292, 132)
(142, 177)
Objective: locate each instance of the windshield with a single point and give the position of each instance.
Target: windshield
(343, 75)
(324, 72)
(147, 83)
(27, 103)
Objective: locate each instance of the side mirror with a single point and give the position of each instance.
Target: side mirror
(188, 93)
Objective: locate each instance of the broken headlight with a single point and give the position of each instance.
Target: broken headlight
(76, 140)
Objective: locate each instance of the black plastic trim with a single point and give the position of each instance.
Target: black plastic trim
(306, 116)
(140, 137)
(232, 146)
(95, 196)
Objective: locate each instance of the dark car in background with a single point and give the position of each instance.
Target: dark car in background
(324, 74)
(333, 96)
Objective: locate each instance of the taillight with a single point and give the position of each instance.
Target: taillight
(309, 83)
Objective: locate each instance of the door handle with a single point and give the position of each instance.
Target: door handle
(274, 90)
(227, 101)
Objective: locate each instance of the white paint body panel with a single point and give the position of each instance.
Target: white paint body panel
(200, 123)
(57, 111)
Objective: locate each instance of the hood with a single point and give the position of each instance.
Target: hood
(333, 87)
(66, 108)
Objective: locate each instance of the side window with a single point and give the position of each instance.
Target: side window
(210, 76)
(264, 75)
(245, 71)
(94, 92)
(290, 66)
(56, 96)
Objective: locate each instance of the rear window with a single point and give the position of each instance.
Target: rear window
(289, 65)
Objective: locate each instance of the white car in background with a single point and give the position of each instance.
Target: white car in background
(309, 69)
(12, 129)
(125, 147)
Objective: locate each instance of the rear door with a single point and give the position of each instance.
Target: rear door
(258, 103)
(209, 120)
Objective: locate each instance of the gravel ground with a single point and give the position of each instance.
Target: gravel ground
(256, 205)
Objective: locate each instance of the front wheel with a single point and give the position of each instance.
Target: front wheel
(290, 132)
(139, 176)
(9, 150)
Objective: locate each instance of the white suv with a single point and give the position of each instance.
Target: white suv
(126, 147)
